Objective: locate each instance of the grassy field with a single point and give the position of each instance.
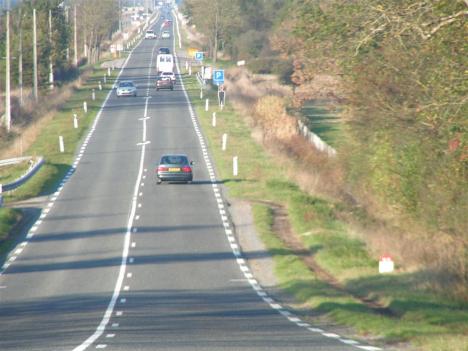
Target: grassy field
(428, 321)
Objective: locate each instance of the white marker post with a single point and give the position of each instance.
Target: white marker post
(61, 145)
(201, 93)
(186, 65)
(207, 105)
(85, 107)
(386, 264)
(108, 71)
(224, 144)
(75, 121)
(105, 79)
(190, 70)
(235, 166)
(93, 94)
(100, 85)
(213, 121)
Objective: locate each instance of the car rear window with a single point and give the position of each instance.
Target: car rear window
(126, 84)
(174, 160)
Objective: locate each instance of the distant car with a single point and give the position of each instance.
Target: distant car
(150, 35)
(164, 83)
(164, 51)
(126, 88)
(176, 168)
(165, 35)
(169, 75)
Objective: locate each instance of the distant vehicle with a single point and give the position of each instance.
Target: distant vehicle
(167, 23)
(164, 63)
(165, 35)
(176, 168)
(150, 35)
(164, 83)
(126, 88)
(166, 51)
(169, 75)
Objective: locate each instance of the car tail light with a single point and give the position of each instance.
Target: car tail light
(162, 169)
(186, 169)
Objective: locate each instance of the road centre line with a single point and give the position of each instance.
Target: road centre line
(125, 252)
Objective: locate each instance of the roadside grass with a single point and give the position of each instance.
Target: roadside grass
(47, 144)
(9, 174)
(9, 217)
(429, 321)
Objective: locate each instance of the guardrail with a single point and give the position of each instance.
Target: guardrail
(35, 166)
(14, 161)
(315, 140)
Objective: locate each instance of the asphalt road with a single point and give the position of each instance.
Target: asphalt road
(120, 263)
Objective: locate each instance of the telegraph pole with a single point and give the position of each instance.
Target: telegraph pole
(51, 66)
(7, 72)
(75, 40)
(20, 58)
(36, 95)
(120, 16)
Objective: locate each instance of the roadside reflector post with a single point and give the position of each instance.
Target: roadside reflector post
(108, 71)
(235, 166)
(100, 85)
(201, 93)
(61, 146)
(213, 121)
(85, 107)
(386, 264)
(105, 79)
(1, 196)
(224, 144)
(186, 65)
(190, 70)
(93, 95)
(75, 121)
(207, 104)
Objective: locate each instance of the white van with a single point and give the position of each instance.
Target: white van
(165, 63)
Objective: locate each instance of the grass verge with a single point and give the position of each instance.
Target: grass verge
(9, 174)
(8, 219)
(428, 321)
(57, 164)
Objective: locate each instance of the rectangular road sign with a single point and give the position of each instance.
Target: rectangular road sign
(199, 56)
(218, 76)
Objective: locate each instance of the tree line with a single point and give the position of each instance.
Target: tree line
(403, 67)
(95, 23)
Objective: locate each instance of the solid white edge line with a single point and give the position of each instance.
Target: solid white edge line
(234, 247)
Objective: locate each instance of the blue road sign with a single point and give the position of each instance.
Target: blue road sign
(199, 56)
(218, 76)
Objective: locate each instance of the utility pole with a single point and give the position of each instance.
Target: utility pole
(67, 20)
(51, 66)
(75, 41)
(36, 95)
(7, 72)
(20, 58)
(120, 15)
